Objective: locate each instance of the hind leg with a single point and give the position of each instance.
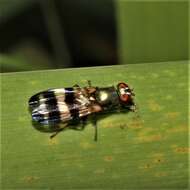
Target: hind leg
(58, 131)
(94, 123)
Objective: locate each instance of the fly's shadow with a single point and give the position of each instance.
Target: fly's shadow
(78, 125)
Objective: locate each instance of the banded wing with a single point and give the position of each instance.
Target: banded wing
(58, 106)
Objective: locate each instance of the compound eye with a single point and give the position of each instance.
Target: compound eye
(124, 97)
(124, 91)
(122, 85)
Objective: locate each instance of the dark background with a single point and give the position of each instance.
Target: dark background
(50, 34)
(61, 33)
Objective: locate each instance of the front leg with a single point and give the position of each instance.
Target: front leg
(76, 86)
(89, 83)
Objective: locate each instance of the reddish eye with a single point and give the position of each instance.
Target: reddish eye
(121, 88)
(122, 85)
(124, 97)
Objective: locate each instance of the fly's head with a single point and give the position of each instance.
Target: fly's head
(126, 96)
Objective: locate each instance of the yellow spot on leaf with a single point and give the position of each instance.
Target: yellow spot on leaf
(53, 141)
(123, 126)
(110, 125)
(99, 171)
(84, 81)
(161, 174)
(86, 145)
(150, 138)
(177, 129)
(182, 150)
(136, 124)
(108, 158)
(158, 155)
(154, 106)
(159, 159)
(172, 115)
(145, 131)
(30, 179)
(146, 166)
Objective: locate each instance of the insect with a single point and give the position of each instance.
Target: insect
(57, 109)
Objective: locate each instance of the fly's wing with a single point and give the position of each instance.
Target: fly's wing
(47, 114)
(44, 105)
(46, 97)
(59, 105)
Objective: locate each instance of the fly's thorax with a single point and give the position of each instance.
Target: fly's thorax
(107, 97)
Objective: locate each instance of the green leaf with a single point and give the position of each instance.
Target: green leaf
(147, 149)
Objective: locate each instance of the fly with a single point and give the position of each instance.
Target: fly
(56, 109)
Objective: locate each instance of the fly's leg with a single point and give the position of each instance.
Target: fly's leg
(84, 121)
(80, 125)
(94, 123)
(55, 134)
(58, 131)
(95, 132)
(89, 83)
(76, 85)
(135, 109)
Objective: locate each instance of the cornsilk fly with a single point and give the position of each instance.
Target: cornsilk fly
(56, 109)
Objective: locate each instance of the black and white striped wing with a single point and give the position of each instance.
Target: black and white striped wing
(58, 106)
